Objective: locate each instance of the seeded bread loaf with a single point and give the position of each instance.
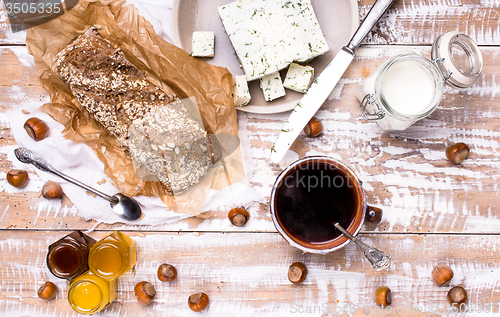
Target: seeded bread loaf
(160, 135)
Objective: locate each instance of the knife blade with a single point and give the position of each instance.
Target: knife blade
(324, 84)
(310, 103)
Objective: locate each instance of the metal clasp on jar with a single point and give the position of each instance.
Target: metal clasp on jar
(439, 63)
(378, 112)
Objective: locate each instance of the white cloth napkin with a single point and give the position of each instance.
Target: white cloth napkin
(79, 161)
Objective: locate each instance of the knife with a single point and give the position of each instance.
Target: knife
(324, 84)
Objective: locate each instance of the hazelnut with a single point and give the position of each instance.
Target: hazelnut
(442, 274)
(145, 292)
(457, 296)
(297, 273)
(373, 214)
(238, 216)
(17, 178)
(52, 190)
(167, 272)
(313, 128)
(457, 152)
(198, 302)
(36, 128)
(47, 291)
(383, 296)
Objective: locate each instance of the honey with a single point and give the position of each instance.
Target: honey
(109, 260)
(89, 294)
(113, 256)
(66, 259)
(86, 296)
(68, 256)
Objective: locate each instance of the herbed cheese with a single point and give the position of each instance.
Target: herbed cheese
(268, 35)
(203, 44)
(240, 92)
(299, 77)
(272, 87)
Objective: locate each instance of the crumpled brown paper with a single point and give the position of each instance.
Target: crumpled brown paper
(165, 65)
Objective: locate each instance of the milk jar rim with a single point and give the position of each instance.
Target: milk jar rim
(404, 57)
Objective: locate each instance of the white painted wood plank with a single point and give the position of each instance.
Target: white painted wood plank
(404, 173)
(407, 22)
(6, 34)
(413, 22)
(246, 274)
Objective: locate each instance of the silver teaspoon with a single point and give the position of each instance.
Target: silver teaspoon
(125, 207)
(379, 260)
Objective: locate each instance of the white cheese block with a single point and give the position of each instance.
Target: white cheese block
(240, 92)
(268, 35)
(272, 87)
(299, 77)
(203, 44)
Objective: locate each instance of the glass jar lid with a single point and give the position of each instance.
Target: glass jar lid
(458, 58)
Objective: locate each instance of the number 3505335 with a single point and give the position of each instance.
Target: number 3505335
(27, 7)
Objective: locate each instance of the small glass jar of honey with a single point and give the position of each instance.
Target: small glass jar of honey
(68, 256)
(113, 256)
(89, 294)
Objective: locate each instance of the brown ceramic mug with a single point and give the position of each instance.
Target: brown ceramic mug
(310, 196)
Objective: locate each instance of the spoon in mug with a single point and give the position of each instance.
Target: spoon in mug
(125, 207)
(379, 260)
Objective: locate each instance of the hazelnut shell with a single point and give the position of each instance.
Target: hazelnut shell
(145, 292)
(36, 128)
(238, 216)
(297, 273)
(167, 272)
(52, 190)
(457, 295)
(18, 178)
(47, 291)
(457, 153)
(313, 128)
(442, 274)
(198, 302)
(383, 296)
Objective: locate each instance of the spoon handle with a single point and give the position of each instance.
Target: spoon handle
(379, 260)
(26, 156)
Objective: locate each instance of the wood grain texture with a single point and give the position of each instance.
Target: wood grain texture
(404, 173)
(6, 34)
(434, 212)
(246, 275)
(411, 22)
(407, 22)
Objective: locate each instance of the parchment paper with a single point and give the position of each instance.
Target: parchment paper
(166, 66)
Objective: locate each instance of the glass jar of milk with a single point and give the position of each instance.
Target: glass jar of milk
(408, 87)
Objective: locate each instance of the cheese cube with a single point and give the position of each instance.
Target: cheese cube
(299, 77)
(240, 92)
(203, 44)
(272, 86)
(268, 35)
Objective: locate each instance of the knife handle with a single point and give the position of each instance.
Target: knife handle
(377, 10)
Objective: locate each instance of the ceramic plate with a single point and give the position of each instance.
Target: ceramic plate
(338, 20)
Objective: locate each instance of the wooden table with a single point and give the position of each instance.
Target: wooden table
(434, 212)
